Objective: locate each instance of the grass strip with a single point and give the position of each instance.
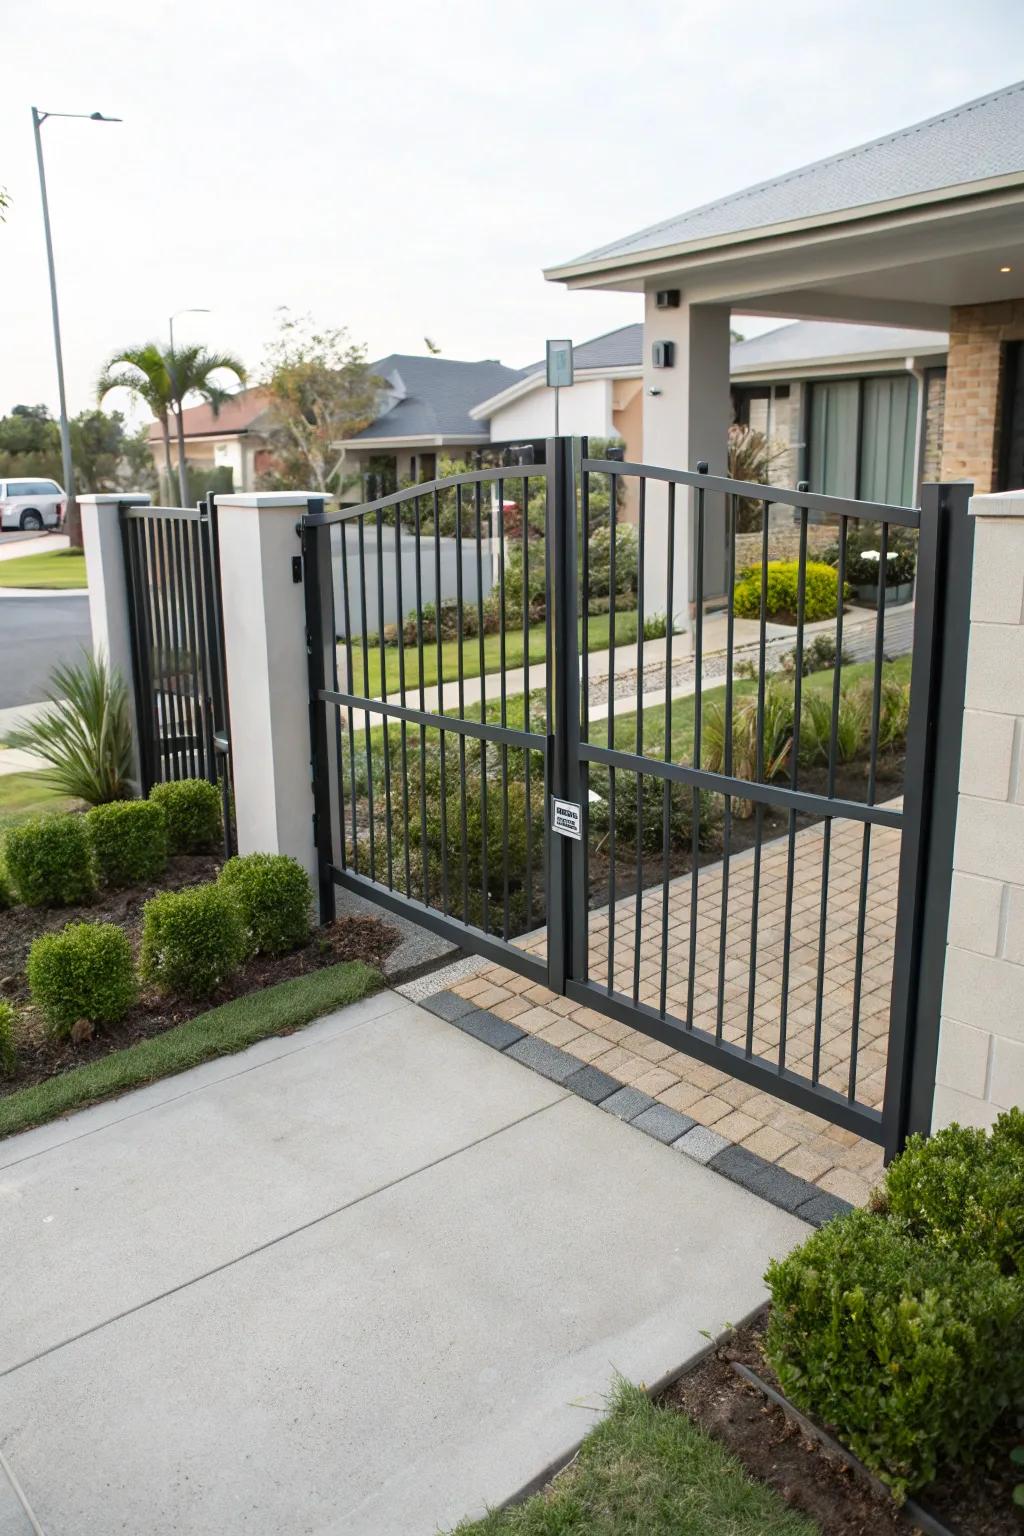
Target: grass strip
(651, 1470)
(59, 570)
(26, 794)
(231, 1027)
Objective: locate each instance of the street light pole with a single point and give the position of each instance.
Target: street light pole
(178, 406)
(71, 507)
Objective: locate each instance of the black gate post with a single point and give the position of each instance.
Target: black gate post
(321, 649)
(567, 907)
(931, 782)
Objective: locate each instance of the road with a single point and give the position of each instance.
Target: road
(36, 633)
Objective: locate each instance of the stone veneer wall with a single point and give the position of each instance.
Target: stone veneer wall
(970, 449)
(783, 540)
(981, 1045)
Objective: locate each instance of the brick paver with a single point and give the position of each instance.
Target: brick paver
(838, 1161)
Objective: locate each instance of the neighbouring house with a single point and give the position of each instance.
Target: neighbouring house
(922, 229)
(233, 441)
(425, 411)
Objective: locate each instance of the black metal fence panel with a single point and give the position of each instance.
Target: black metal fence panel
(172, 570)
(717, 827)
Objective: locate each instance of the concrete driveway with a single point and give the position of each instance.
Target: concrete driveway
(364, 1279)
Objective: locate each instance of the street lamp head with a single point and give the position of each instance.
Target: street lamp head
(99, 117)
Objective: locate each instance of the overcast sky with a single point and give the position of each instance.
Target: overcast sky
(406, 169)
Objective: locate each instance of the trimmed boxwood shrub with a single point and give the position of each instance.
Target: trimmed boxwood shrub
(964, 1190)
(129, 840)
(821, 591)
(8, 1043)
(50, 862)
(6, 894)
(909, 1351)
(192, 808)
(192, 940)
(83, 972)
(273, 897)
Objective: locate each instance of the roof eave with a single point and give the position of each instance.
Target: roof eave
(423, 440)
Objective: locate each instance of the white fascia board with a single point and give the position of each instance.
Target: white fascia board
(576, 273)
(426, 440)
(521, 387)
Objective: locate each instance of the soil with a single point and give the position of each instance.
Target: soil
(775, 1451)
(850, 784)
(39, 1057)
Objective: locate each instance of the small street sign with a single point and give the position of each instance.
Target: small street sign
(567, 818)
(559, 364)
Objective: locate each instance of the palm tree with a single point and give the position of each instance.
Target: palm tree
(164, 380)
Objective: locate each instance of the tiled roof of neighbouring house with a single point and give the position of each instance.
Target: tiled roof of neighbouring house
(811, 341)
(975, 142)
(432, 396)
(239, 414)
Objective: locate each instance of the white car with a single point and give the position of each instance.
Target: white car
(31, 504)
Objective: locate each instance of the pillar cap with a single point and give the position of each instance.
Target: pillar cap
(264, 500)
(998, 504)
(114, 498)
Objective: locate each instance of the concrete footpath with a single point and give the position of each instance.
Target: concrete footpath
(364, 1279)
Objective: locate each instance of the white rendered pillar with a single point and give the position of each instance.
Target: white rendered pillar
(108, 589)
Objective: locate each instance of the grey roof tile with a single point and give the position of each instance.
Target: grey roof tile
(436, 396)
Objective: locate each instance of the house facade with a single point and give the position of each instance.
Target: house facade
(233, 441)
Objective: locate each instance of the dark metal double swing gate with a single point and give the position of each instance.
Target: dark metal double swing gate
(456, 748)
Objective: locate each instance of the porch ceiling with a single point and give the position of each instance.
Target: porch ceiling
(903, 266)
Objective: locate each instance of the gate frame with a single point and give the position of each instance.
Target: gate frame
(927, 821)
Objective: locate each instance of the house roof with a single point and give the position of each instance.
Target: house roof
(431, 397)
(825, 341)
(978, 141)
(614, 349)
(237, 415)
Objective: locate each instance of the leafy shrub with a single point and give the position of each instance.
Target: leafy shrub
(821, 591)
(652, 817)
(273, 897)
(894, 716)
(6, 893)
(863, 551)
(192, 940)
(819, 656)
(599, 560)
(853, 726)
(83, 972)
(909, 1351)
(50, 862)
(963, 1190)
(752, 457)
(776, 735)
(85, 736)
(129, 840)
(192, 808)
(8, 1042)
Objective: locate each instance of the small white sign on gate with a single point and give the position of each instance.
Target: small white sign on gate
(567, 818)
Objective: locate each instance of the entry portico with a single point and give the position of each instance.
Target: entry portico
(922, 228)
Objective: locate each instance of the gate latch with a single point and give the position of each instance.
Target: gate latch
(567, 818)
(296, 569)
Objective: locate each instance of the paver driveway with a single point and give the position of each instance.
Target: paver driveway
(363, 1279)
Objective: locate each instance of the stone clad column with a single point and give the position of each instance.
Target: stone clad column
(981, 1045)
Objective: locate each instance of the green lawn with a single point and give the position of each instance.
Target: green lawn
(597, 636)
(648, 1471)
(231, 1027)
(60, 569)
(24, 794)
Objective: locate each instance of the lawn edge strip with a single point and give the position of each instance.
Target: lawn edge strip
(274, 1010)
(770, 1182)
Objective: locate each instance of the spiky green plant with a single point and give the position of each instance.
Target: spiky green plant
(85, 736)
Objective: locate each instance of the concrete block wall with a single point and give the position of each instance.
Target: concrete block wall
(981, 1044)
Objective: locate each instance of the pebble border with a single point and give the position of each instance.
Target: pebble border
(774, 1184)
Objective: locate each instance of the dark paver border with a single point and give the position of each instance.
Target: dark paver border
(766, 1180)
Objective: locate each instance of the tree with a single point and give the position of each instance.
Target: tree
(106, 456)
(321, 392)
(164, 380)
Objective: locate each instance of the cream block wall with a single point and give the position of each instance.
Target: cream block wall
(981, 1043)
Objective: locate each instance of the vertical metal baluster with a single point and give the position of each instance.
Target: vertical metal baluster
(585, 689)
(865, 858)
(421, 666)
(613, 496)
(485, 873)
(350, 687)
(384, 696)
(666, 808)
(505, 916)
(794, 776)
(460, 630)
(730, 627)
(203, 763)
(366, 693)
(826, 846)
(526, 699)
(196, 752)
(138, 613)
(641, 551)
(402, 735)
(440, 703)
(180, 701)
(698, 720)
(755, 894)
(167, 708)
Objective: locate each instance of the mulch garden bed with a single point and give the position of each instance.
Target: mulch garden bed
(39, 1057)
(776, 1451)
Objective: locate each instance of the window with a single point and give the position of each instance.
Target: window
(1011, 446)
(862, 438)
(32, 488)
